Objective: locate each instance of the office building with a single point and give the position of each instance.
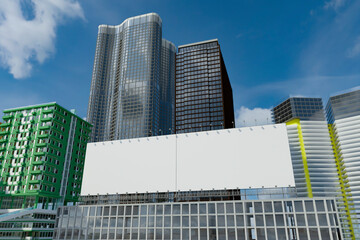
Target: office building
(204, 99)
(182, 162)
(167, 87)
(274, 213)
(42, 154)
(316, 167)
(310, 146)
(127, 87)
(343, 114)
(304, 108)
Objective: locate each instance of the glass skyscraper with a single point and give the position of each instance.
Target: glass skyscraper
(204, 99)
(343, 114)
(167, 87)
(343, 106)
(130, 84)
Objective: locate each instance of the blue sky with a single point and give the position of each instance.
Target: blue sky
(272, 49)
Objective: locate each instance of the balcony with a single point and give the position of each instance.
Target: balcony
(48, 111)
(35, 171)
(39, 154)
(44, 128)
(6, 117)
(5, 125)
(4, 133)
(40, 162)
(3, 140)
(40, 144)
(46, 135)
(47, 119)
(35, 181)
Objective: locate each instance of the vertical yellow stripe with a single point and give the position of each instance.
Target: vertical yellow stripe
(344, 186)
(303, 155)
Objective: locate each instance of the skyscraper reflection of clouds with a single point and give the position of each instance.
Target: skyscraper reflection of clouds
(127, 88)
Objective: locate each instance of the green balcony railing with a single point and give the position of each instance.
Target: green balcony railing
(39, 154)
(48, 111)
(4, 133)
(46, 119)
(46, 135)
(6, 117)
(40, 162)
(44, 127)
(4, 125)
(40, 144)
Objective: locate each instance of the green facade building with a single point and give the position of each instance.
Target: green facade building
(42, 154)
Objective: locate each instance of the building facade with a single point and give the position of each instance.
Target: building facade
(27, 224)
(299, 108)
(312, 156)
(167, 87)
(223, 214)
(317, 159)
(343, 114)
(127, 89)
(42, 158)
(203, 92)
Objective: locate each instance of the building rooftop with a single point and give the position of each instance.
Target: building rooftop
(29, 106)
(197, 43)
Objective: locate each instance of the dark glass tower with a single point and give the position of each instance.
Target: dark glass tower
(167, 87)
(130, 85)
(204, 99)
(299, 107)
(343, 106)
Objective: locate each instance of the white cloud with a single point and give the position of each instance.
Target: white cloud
(24, 40)
(335, 4)
(333, 40)
(297, 95)
(251, 117)
(355, 50)
(354, 88)
(240, 35)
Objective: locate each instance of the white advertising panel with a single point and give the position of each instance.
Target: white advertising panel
(240, 157)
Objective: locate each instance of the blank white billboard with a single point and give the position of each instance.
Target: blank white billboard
(232, 158)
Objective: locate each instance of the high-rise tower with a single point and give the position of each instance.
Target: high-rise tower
(127, 87)
(343, 114)
(204, 99)
(167, 87)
